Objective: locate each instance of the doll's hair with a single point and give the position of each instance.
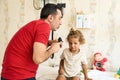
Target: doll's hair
(97, 54)
(76, 34)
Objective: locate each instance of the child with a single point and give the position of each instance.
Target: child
(73, 59)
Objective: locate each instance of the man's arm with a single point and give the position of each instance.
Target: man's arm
(41, 53)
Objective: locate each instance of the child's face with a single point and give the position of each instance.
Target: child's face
(74, 44)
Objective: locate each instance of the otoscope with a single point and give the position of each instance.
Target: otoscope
(59, 40)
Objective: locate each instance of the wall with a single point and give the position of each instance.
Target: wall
(103, 36)
(14, 14)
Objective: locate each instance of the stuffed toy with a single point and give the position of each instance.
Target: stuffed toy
(117, 75)
(99, 62)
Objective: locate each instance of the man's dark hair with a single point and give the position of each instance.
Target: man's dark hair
(49, 9)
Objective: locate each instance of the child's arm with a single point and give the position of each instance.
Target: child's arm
(61, 68)
(84, 67)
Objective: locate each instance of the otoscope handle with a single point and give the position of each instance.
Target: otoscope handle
(59, 40)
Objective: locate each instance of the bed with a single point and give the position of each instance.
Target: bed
(50, 73)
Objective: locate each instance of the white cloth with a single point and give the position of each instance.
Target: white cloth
(72, 63)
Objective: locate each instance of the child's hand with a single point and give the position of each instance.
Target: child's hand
(88, 79)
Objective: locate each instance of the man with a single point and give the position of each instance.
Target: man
(28, 47)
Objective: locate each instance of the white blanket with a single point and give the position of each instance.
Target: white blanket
(98, 75)
(47, 73)
(50, 73)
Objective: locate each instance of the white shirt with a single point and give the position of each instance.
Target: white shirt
(72, 63)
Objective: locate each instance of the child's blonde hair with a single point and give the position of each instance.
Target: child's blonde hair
(76, 34)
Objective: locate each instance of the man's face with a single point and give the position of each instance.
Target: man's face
(56, 21)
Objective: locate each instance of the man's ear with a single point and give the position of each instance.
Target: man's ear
(50, 18)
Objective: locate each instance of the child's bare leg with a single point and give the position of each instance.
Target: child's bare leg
(75, 78)
(61, 77)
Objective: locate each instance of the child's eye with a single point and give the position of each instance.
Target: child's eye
(70, 43)
(75, 43)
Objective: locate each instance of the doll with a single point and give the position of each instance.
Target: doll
(99, 62)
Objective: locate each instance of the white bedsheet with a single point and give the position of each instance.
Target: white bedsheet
(50, 73)
(47, 73)
(98, 75)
